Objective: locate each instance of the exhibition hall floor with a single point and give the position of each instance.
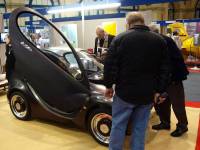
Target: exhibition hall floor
(43, 135)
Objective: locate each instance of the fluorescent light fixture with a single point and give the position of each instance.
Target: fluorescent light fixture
(84, 7)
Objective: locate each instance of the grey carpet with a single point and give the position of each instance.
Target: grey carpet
(192, 87)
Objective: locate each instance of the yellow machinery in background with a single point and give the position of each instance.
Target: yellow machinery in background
(110, 27)
(188, 46)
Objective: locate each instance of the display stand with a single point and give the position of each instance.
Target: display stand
(3, 81)
(2, 56)
(2, 45)
(196, 68)
(196, 43)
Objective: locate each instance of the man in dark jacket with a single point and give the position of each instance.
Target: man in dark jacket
(175, 91)
(137, 62)
(102, 43)
(10, 58)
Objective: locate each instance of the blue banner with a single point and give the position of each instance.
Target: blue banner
(144, 2)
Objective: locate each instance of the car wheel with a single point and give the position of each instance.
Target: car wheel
(20, 106)
(99, 125)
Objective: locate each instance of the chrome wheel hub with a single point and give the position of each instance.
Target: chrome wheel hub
(18, 106)
(101, 127)
(104, 128)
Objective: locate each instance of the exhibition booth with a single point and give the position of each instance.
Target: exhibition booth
(57, 84)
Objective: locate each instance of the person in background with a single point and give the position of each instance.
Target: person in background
(33, 38)
(140, 73)
(169, 32)
(10, 60)
(175, 91)
(38, 40)
(102, 42)
(177, 39)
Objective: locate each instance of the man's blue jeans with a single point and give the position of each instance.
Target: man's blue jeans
(139, 117)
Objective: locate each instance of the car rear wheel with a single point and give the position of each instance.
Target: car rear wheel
(20, 106)
(99, 125)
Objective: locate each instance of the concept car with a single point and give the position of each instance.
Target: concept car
(47, 82)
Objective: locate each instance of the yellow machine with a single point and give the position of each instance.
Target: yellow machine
(188, 46)
(110, 27)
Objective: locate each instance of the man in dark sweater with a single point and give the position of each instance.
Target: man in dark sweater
(10, 58)
(175, 90)
(137, 63)
(102, 43)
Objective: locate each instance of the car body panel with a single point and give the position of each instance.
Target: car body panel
(33, 66)
(52, 92)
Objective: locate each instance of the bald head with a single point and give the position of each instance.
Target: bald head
(154, 28)
(134, 18)
(100, 32)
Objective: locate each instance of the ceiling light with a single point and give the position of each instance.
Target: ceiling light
(84, 7)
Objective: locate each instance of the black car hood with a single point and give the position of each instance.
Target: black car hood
(96, 77)
(97, 94)
(97, 88)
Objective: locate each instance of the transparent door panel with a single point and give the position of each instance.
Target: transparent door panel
(49, 41)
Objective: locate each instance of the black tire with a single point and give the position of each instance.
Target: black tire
(100, 129)
(19, 106)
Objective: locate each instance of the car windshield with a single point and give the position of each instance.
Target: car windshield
(89, 63)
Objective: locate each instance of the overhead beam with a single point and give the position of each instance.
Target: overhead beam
(52, 2)
(59, 2)
(30, 3)
(196, 9)
(39, 6)
(27, 5)
(5, 5)
(145, 2)
(171, 11)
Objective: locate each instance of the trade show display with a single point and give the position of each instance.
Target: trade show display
(3, 82)
(187, 39)
(53, 80)
(70, 70)
(188, 34)
(3, 35)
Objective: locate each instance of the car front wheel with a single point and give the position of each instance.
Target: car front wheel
(99, 125)
(19, 106)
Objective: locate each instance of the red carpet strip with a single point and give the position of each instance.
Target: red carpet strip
(193, 71)
(198, 137)
(192, 104)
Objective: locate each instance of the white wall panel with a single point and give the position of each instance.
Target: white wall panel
(90, 27)
(2, 55)
(1, 23)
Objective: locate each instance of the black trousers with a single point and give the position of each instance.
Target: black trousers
(176, 98)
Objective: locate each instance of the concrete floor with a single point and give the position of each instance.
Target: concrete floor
(43, 135)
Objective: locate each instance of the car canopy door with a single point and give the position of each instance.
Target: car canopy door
(61, 91)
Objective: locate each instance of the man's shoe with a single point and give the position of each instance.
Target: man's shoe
(179, 132)
(161, 126)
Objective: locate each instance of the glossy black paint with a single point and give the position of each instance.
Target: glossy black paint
(52, 92)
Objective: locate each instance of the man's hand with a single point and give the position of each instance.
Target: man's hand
(158, 99)
(109, 93)
(161, 100)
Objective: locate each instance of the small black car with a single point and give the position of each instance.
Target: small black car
(48, 84)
